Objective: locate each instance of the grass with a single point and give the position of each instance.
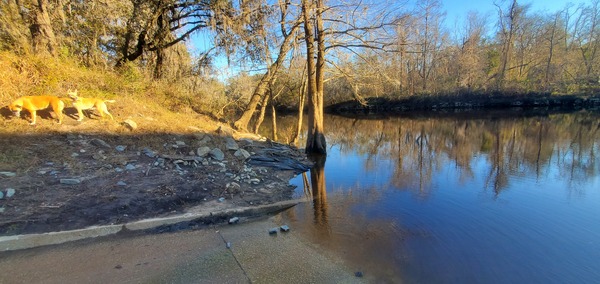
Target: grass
(160, 109)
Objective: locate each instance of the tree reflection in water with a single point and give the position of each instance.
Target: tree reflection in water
(318, 189)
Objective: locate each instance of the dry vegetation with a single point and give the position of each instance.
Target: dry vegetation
(158, 108)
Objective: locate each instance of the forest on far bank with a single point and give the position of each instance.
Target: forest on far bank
(380, 49)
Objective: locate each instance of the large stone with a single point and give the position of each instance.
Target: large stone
(231, 144)
(217, 154)
(202, 151)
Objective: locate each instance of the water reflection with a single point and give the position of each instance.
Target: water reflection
(318, 190)
(458, 199)
(530, 146)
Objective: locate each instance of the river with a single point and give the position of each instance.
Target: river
(470, 198)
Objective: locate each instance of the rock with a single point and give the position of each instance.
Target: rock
(228, 245)
(204, 140)
(285, 228)
(130, 124)
(272, 231)
(7, 174)
(241, 153)
(231, 144)
(202, 151)
(70, 181)
(234, 220)
(130, 167)
(179, 143)
(222, 199)
(2, 209)
(74, 155)
(233, 185)
(10, 192)
(1, 194)
(149, 153)
(120, 148)
(121, 183)
(254, 181)
(217, 154)
(118, 170)
(99, 143)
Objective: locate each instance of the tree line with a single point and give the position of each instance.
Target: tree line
(317, 52)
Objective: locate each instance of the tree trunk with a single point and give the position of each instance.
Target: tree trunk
(261, 116)
(315, 141)
(265, 81)
(301, 98)
(42, 34)
(273, 117)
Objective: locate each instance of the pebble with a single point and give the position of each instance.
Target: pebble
(70, 181)
(121, 183)
(1, 194)
(8, 174)
(241, 153)
(120, 148)
(149, 153)
(272, 231)
(10, 192)
(222, 199)
(234, 220)
(130, 167)
(285, 228)
(358, 274)
(228, 245)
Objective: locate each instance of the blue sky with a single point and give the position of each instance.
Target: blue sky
(456, 13)
(457, 9)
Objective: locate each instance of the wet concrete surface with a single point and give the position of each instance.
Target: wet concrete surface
(238, 253)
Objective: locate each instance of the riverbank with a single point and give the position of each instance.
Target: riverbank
(466, 102)
(68, 180)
